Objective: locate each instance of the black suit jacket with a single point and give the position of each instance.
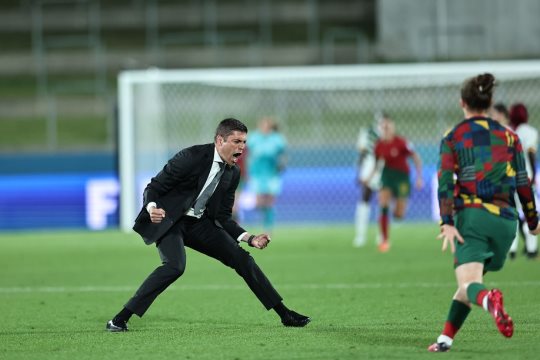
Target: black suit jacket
(176, 187)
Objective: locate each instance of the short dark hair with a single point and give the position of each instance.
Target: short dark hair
(501, 108)
(385, 115)
(227, 126)
(477, 91)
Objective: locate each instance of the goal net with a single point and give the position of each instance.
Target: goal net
(319, 109)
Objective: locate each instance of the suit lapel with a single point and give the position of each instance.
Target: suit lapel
(206, 165)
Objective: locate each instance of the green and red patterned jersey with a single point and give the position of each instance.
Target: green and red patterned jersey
(488, 160)
(394, 153)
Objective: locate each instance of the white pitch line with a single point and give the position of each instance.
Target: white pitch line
(214, 287)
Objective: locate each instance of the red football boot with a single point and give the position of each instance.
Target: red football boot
(496, 309)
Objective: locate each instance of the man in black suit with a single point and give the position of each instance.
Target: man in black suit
(189, 203)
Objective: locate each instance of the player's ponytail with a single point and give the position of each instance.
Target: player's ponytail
(477, 92)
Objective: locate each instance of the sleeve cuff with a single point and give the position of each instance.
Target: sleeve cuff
(532, 223)
(447, 220)
(239, 239)
(150, 205)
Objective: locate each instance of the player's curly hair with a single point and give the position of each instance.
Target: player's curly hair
(477, 91)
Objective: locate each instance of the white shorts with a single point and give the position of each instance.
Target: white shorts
(366, 168)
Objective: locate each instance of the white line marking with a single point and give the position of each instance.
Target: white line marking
(218, 287)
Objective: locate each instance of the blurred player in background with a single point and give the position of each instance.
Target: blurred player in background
(391, 154)
(265, 165)
(237, 208)
(488, 160)
(365, 145)
(529, 140)
(499, 113)
(528, 136)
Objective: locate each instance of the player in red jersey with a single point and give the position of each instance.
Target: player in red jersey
(392, 152)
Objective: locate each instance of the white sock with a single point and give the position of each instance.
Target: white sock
(514, 246)
(361, 223)
(485, 302)
(445, 339)
(531, 241)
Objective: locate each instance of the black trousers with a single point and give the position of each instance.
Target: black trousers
(205, 237)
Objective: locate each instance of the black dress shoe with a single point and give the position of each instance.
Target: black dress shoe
(116, 326)
(295, 319)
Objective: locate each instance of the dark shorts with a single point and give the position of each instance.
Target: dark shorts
(488, 238)
(397, 182)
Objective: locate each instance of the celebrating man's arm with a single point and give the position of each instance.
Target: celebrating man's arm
(257, 241)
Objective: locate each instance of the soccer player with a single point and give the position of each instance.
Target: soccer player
(265, 165)
(528, 136)
(367, 138)
(237, 214)
(478, 215)
(499, 113)
(392, 153)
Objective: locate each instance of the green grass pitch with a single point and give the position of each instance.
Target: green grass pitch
(58, 289)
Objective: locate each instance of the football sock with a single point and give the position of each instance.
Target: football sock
(361, 222)
(456, 317)
(383, 222)
(268, 218)
(476, 293)
(514, 246)
(281, 309)
(123, 315)
(531, 241)
(522, 228)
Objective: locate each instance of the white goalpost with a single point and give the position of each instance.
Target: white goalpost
(319, 109)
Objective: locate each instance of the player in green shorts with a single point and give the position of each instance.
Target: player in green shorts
(392, 153)
(397, 182)
(487, 243)
(478, 214)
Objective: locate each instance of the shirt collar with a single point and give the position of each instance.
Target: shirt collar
(477, 117)
(216, 156)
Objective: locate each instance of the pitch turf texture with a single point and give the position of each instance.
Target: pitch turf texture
(57, 290)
